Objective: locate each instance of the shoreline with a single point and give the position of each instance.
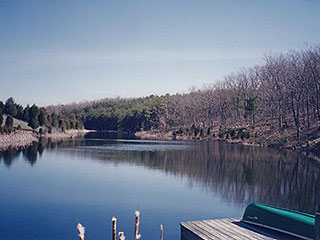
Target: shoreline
(310, 148)
(23, 138)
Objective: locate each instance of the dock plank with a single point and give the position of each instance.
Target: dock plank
(226, 229)
(240, 232)
(230, 229)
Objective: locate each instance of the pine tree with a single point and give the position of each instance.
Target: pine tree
(55, 121)
(26, 114)
(1, 107)
(1, 120)
(43, 121)
(33, 116)
(10, 107)
(9, 123)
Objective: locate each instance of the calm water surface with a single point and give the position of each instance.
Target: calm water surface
(45, 187)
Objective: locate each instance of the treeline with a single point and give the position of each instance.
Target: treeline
(281, 94)
(35, 117)
(125, 115)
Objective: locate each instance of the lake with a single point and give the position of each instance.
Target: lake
(46, 187)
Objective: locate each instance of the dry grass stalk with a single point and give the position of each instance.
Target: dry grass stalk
(136, 229)
(114, 228)
(81, 231)
(121, 236)
(161, 229)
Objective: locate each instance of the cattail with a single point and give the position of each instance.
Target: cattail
(136, 229)
(114, 228)
(121, 236)
(81, 231)
(161, 229)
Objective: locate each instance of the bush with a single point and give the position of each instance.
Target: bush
(232, 133)
(196, 131)
(221, 134)
(208, 131)
(247, 135)
(41, 130)
(201, 132)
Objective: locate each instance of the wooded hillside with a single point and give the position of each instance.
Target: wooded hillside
(281, 96)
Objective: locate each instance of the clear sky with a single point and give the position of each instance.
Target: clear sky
(55, 51)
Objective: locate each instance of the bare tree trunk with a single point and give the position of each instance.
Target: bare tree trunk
(296, 118)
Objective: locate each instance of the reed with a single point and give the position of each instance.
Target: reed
(137, 235)
(114, 228)
(161, 230)
(81, 231)
(136, 229)
(121, 236)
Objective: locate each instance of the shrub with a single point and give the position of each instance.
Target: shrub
(196, 131)
(247, 135)
(41, 131)
(208, 131)
(201, 132)
(221, 134)
(232, 133)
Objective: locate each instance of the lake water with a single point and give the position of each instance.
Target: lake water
(44, 188)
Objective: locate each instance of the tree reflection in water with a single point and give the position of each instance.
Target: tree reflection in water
(238, 173)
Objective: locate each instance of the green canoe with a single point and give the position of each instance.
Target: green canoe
(294, 223)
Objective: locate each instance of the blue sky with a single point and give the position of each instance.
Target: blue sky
(55, 51)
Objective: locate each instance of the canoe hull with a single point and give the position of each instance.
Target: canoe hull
(290, 222)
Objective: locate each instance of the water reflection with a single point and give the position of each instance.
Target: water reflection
(238, 173)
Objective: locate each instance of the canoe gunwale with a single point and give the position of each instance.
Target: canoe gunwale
(277, 229)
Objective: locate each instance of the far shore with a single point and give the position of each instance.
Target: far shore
(21, 138)
(310, 148)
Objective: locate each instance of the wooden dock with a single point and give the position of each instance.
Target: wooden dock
(227, 229)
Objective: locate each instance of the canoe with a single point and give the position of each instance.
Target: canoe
(297, 224)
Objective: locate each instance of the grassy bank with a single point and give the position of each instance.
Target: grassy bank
(20, 138)
(261, 135)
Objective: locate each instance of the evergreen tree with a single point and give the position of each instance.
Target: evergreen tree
(43, 121)
(1, 120)
(10, 107)
(9, 123)
(26, 114)
(49, 120)
(55, 121)
(33, 116)
(62, 124)
(19, 112)
(1, 107)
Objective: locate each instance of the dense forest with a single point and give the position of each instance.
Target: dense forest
(282, 95)
(124, 115)
(35, 117)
